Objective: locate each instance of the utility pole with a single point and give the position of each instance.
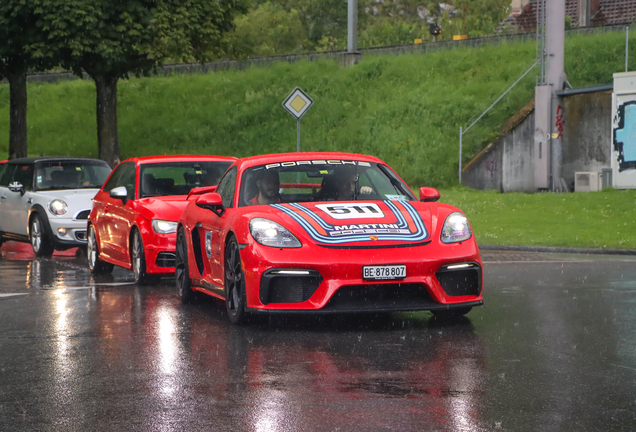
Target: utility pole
(352, 56)
(352, 26)
(548, 134)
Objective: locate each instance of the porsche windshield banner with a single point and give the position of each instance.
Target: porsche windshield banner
(391, 222)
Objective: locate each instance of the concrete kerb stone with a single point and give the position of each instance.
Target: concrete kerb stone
(593, 251)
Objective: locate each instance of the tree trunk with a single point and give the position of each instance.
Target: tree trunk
(17, 115)
(107, 135)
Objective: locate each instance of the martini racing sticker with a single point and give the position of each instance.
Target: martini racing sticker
(395, 221)
(352, 211)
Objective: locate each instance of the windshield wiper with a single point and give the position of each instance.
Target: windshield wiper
(395, 182)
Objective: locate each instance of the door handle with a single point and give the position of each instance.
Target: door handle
(3, 197)
(106, 209)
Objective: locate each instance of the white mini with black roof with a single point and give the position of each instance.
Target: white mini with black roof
(46, 200)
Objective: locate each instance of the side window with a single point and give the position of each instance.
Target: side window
(24, 174)
(7, 175)
(112, 180)
(124, 175)
(127, 179)
(227, 187)
(3, 168)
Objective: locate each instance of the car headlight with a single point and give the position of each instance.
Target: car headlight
(456, 228)
(269, 233)
(164, 226)
(58, 207)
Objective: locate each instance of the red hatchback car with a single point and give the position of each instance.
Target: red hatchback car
(325, 233)
(134, 217)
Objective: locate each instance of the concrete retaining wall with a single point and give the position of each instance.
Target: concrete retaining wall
(507, 165)
(587, 126)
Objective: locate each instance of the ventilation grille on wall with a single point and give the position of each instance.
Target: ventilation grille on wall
(588, 181)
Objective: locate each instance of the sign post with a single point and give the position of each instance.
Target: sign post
(298, 103)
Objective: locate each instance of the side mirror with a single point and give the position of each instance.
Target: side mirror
(211, 201)
(201, 190)
(429, 194)
(16, 187)
(120, 193)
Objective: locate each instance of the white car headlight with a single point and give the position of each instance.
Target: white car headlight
(269, 233)
(58, 207)
(456, 228)
(164, 226)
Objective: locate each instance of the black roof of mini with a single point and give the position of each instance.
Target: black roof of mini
(33, 160)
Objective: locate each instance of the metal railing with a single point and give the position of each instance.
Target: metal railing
(462, 132)
(193, 68)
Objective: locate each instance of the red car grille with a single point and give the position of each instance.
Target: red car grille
(380, 297)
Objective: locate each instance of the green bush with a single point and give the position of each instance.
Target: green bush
(267, 30)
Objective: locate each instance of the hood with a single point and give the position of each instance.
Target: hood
(76, 199)
(361, 223)
(70, 194)
(162, 208)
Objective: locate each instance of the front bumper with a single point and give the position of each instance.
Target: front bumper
(330, 280)
(160, 253)
(68, 232)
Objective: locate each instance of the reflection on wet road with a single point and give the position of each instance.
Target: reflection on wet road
(552, 349)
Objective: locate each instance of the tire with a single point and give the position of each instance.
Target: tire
(39, 238)
(95, 265)
(451, 314)
(182, 270)
(234, 283)
(138, 259)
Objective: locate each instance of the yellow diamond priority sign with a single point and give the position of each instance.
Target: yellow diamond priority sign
(297, 103)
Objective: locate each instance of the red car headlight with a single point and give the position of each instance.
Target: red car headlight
(270, 233)
(164, 226)
(456, 228)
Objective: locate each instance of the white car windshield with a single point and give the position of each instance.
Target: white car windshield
(313, 181)
(70, 174)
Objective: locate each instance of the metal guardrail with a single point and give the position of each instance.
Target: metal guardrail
(192, 68)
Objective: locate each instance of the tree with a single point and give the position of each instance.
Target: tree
(268, 29)
(110, 40)
(17, 34)
(323, 18)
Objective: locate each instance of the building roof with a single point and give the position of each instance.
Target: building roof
(603, 13)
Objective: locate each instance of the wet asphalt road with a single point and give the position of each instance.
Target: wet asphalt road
(553, 349)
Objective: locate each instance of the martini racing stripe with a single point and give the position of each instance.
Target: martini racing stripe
(411, 230)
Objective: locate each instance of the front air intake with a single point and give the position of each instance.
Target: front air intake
(165, 259)
(461, 279)
(288, 285)
(380, 298)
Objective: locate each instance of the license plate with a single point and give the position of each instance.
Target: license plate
(384, 272)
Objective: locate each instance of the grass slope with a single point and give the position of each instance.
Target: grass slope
(405, 109)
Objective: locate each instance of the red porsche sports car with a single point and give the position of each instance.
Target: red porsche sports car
(325, 233)
(134, 218)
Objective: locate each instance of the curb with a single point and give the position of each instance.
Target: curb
(592, 251)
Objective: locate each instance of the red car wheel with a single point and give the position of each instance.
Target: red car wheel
(234, 283)
(95, 265)
(182, 271)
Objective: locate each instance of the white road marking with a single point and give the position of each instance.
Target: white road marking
(12, 295)
(69, 288)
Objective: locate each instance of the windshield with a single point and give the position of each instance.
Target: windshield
(178, 178)
(312, 181)
(70, 174)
